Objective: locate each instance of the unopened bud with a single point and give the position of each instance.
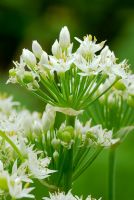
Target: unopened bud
(64, 38)
(44, 58)
(56, 155)
(56, 49)
(130, 101)
(55, 143)
(37, 50)
(119, 85)
(66, 136)
(29, 58)
(37, 128)
(12, 72)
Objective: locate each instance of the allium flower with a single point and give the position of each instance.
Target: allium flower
(13, 183)
(68, 196)
(38, 167)
(7, 104)
(64, 79)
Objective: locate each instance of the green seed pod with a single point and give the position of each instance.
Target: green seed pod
(70, 129)
(28, 77)
(66, 136)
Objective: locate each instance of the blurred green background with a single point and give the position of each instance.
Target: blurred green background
(22, 21)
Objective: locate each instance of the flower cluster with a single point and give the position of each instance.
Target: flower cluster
(68, 196)
(68, 79)
(34, 145)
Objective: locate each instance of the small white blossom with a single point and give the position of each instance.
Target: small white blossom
(13, 183)
(38, 167)
(96, 134)
(68, 196)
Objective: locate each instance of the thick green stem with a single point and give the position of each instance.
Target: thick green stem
(68, 171)
(4, 136)
(68, 166)
(111, 175)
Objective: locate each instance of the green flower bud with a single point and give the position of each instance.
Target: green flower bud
(130, 101)
(56, 155)
(3, 183)
(120, 85)
(66, 136)
(12, 72)
(70, 129)
(55, 143)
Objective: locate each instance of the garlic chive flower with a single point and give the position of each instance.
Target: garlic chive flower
(12, 184)
(67, 79)
(68, 196)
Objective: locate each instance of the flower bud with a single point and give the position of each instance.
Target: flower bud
(37, 50)
(37, 128)
(29, 58)
(56, 155)
(70, 129)
(48, 118)
(56, 50)
(3, 183)
(119, 85)
(55, 143)
(66, 136)
(12, 72)
(44, 58)
(64, 38)
(28, 77)
(130, 101)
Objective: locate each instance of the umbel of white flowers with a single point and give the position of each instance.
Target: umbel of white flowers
(66, 79)
(68, 196)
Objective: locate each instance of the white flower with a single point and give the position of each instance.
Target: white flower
(7, 104)
(88, 67)
(64, 38)
(13, 184)
(96, 134)
(37, 50)
(29, 58)
(68, 196)
(38, 167)
(88, 47)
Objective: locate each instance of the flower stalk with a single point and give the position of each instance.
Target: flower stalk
(111, 174)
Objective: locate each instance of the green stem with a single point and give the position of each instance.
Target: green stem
(4, 136)
(68, 171)
(68, 166)
(52, 188)
(88, 163)
(111, 175)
